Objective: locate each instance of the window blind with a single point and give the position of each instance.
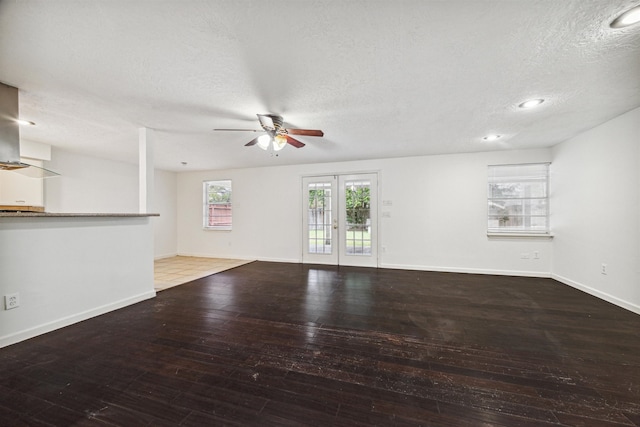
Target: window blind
(518, 198)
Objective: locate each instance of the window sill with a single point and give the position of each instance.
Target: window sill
(525, 235)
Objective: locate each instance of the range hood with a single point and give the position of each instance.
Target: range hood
(10, 136)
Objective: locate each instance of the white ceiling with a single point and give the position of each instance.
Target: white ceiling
(380, 78)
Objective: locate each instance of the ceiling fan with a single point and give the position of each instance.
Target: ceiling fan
(276, 133)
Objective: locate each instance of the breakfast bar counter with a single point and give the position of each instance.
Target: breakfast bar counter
(63, 268)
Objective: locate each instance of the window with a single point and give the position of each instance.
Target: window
(217, 205)
(518, 198)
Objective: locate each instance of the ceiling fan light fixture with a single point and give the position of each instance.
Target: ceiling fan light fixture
(626, 18)
(531, 103)
(275, 132)
(264, 141)
(491, 137)
(279, 141)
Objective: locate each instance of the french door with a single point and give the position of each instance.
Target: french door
(340, 224)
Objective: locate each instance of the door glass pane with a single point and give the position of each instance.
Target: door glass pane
(358, 217)
(320, 218)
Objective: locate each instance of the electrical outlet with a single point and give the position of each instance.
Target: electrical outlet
(603, 269)
(11, 301)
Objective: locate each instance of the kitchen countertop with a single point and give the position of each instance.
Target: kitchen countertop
(72, 215)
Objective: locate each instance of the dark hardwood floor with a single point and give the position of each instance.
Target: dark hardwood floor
(289, 344)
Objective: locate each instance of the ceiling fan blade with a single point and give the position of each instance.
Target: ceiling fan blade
(254, 141)
(294, 142)
(305, 132)
(239, 130)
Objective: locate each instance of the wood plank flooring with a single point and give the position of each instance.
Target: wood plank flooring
(290, 344)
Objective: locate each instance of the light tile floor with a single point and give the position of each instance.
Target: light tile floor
(170, 272)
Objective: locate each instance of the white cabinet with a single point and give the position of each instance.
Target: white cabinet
(20, 190)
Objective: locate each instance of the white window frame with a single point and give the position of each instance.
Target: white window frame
(519, 174)
(206, 223)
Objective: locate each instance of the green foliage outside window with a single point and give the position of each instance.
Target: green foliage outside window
(358, 206)
(219, 194)
(316, 199)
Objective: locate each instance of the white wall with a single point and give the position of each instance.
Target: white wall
(166, 204)
(90, 184)
(596, 210)
(438, 216)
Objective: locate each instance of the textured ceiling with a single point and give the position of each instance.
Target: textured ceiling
(380, 78)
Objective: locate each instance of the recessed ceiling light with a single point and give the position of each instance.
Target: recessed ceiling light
(531, 103)
(25, 122)
(491, 137)
(630, 17)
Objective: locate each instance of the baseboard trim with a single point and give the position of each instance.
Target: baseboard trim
(287, 260)
(17, 337)
(540, 274)
(243, 258)
(157, 257)
(226, 256)
(598, 294)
